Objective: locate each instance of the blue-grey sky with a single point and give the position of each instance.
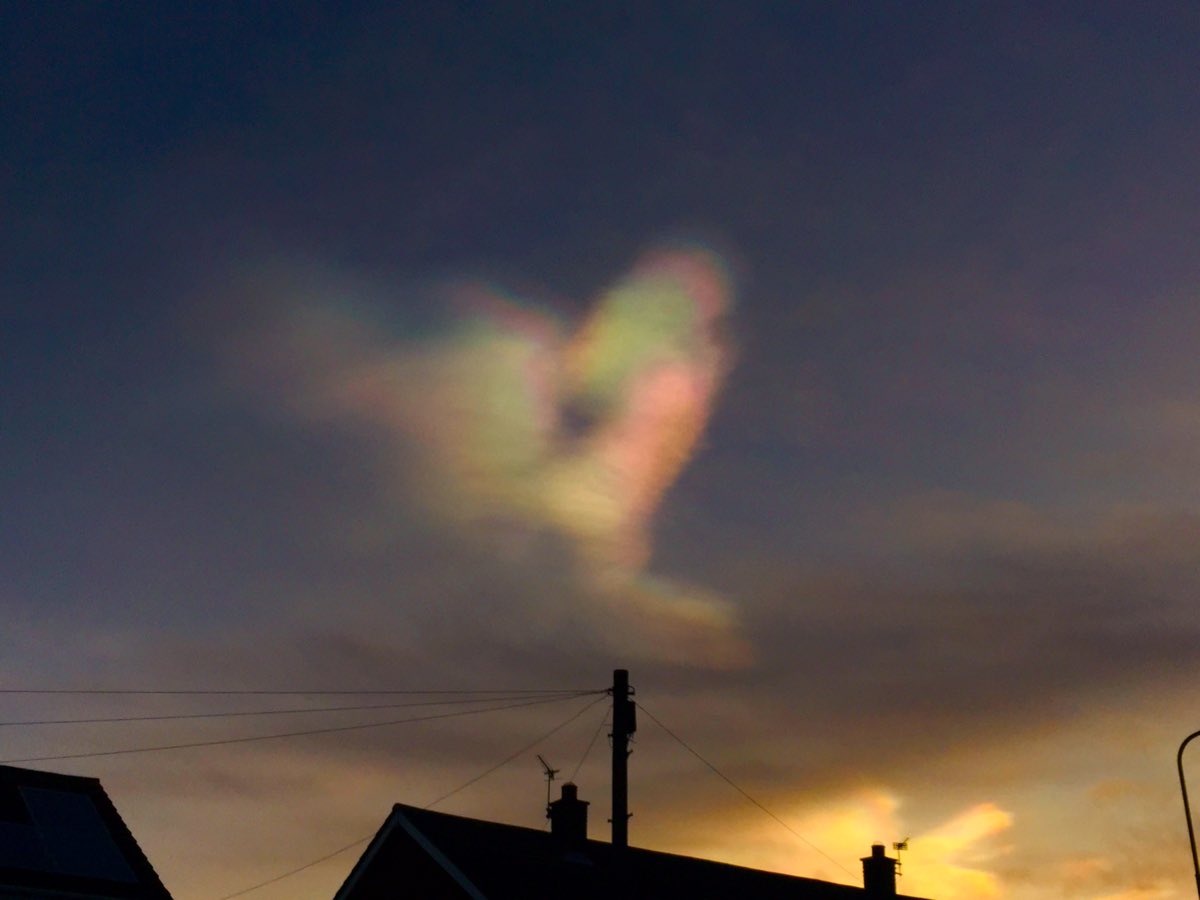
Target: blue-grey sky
(831, 366)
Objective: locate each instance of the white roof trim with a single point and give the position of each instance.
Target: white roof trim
(365, 860)
(439, 857)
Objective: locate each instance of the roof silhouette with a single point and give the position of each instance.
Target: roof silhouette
(441, 856)
(61, 834)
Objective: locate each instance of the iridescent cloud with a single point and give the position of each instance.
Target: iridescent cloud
(521, 422)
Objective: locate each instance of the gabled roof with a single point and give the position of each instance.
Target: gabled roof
(61, 835)
(435, 855)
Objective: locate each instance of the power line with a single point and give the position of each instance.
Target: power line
(461, 787)
(269, 737)
(298, 869)
(732, 784)
(566, 695)
(264, 693)
(508, 759)
(591, 743)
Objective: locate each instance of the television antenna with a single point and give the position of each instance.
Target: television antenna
(897, 846)
(550, 773)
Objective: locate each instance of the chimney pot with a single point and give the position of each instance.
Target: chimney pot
(568, 817)
(879, 873)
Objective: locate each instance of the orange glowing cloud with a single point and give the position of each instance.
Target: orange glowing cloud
(948, 860)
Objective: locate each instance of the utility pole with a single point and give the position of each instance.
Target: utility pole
(624, 724)
(1187, 810)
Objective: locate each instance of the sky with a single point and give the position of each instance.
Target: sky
(831, 367)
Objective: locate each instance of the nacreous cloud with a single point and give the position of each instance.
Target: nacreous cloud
(521, 425)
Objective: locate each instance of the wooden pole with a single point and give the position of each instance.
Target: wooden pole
(624, 724)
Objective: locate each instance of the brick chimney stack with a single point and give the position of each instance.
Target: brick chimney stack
(568, 817)
(879, 873)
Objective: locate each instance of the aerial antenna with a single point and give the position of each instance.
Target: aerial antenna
(898, 846)
(550, 773)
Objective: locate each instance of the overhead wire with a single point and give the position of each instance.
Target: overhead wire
(557, 728)
(289, 734)
(686, 746)
(466, 784)
(274, 712)
(591, 743)
(315, 693)
(518, 697)
(298, 869)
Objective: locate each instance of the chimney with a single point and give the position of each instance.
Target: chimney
(568, 817)
(879, 873)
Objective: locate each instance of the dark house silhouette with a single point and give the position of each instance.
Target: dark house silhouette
(60, 836)
(434, 856)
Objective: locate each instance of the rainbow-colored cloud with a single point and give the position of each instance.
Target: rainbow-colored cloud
(522, 422)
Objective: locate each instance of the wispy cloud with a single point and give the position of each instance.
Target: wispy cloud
(952, 858)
